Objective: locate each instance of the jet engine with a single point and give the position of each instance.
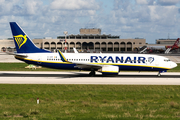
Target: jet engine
(110, 70)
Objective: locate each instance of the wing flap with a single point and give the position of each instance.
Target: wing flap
(88, 66)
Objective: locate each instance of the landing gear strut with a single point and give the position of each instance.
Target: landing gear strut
(159, 74)
(92, 73)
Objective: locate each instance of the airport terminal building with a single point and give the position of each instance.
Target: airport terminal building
(166, 41)
(7, 45)
(90, 40)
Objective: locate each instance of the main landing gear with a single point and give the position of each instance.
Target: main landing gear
(159, 74)
(92, 73)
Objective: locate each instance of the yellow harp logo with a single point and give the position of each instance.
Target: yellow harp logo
(20, 40)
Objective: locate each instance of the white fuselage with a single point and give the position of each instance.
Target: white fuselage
(138, 62)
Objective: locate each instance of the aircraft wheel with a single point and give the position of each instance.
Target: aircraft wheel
(159, 74)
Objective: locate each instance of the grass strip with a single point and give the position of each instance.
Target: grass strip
(87, 102)
(21, 67)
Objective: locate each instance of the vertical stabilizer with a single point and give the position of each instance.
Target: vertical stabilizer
(22, 42)
(176, 43)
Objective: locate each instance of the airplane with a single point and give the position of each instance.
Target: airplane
(161, 49)
(106, 63)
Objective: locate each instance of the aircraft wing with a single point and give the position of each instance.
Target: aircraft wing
(80, 65)
(87, 66)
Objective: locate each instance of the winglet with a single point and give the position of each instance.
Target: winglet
(75, 51)
(62, 56)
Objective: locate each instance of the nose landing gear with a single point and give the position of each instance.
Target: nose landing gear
(159, 73)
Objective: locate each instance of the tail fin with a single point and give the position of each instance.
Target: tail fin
(22, 42)
(176, 43)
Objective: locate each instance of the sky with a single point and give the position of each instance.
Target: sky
(149, 19)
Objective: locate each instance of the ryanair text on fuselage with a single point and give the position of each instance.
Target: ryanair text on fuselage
(122, 59)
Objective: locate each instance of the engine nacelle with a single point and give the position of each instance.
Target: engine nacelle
(110, 70)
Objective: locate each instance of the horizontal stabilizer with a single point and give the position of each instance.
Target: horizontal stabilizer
(24, 56)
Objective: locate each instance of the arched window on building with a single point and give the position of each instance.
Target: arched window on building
(110, 46)
(129, 46)
(88, 46)
(47, 45)
(91, 45)
(59, 45)
(103, 46)
(123, 46)
(85, 46)
(53, 46)
(78, 46)
(3, 49)
(97, 47)
(116, 46)
(72, 45)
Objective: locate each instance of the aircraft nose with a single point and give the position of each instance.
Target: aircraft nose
(173, 65)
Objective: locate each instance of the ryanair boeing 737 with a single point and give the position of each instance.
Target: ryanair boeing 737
(104, 63)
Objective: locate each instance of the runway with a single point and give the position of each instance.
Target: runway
(124, 78)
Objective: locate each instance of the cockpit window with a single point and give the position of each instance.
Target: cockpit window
(167, 60)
